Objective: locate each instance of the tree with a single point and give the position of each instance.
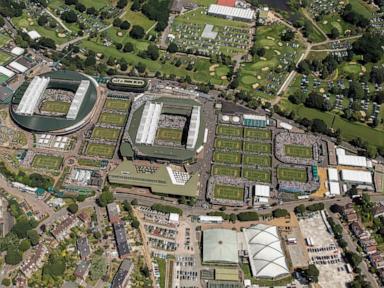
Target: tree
(248, 216)
(145, 271)
(288, 35)
(124, 25)
(13, 257)
(42, 20)
(141, 67)
(312, 273)
(24, 245)
(22, 227)
(152, 52)
(369, 46)
(319, 126)
(377, 75)
(73, 208)
(90, 61)
(277, 213)
(134, 202)
(47, 42)
(55, 266)
(136, 5)
(300, 209)
(2, 22)
(105, 198)
(80, 7)
(334, 33)
(128, 47)
(172, 47)
(137, 32)
(91, 11)
(6, 282)
(353, 258)
(121, 4)
(34, 237)
(69, 16)
(98, 267)
(117, 22)
(315, 100)
(135, 224)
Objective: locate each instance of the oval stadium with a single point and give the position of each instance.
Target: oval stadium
(56, 102)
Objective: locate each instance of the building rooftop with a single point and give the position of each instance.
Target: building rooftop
(220, 246)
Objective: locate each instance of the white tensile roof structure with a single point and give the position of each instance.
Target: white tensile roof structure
(6, 72)
(356, 176)
(350, 160)
(220, 246)
(148, 123)
(231, 12)
(333, 175)
(18, 67)
(194, 126)
(32, 95)
(78, 99)
(266, 256)
(17, 51)
(34, 35)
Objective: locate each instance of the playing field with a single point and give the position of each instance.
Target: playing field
(257, 147)
(257, 160)
(227, 157)
(117, 104)
(300, 151)
(169, 134)
(47, 162)
(257, 133)
(89, 162)
(226, 171)
(228, 144)
(257, 175)
(105, 133)
(55, 107)
(228, 192)
(227, 130)
(112, 119)
(100, 150)
(292, 174)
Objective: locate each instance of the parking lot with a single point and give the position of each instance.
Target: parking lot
(324, 253)
(185, 273)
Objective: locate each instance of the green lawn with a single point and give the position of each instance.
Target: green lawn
(227, 157)
(169, 134)
(228, 192)
(98, 4)
(292, 174)
(89, 162)
(4, 39)
(257, 147)
(257, 133)
(112, 119)
(117, 104)
(105, 133)
(47, 162)
(137, 18)
(226, 171)
(299, 151)
(228, 144)
(257, 175)
(226, 130)
(257, 160)
(100, 150)
(361, 8)
(55, 107)
(4, 57)
(162, 267)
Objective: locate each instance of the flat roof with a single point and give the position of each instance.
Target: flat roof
(333, 175)
(233, 12)
(226, 274)
(220, 246)
(356, 176)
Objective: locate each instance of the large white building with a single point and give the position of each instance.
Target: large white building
(356, 176)
(194, 126)
(351, 160)
(148, 124)
(266, 255)
(232, 12)
(32, 95)
(78, 99)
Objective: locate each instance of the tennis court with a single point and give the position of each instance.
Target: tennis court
(228, 192)
(227, 157)
(292, 174)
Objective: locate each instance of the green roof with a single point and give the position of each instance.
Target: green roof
(227, 274)
(158, 179)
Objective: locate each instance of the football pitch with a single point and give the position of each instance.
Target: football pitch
(292, 174)
(257, 147)
(228, 192)
(257, 175)
(225, 171)
(112, 119)
(105, 133)
(299, 151)
(55, 107)
(100, 150)
(228, 144)
(227, 157)
(257, 160)
(117, 104)
(227, 130)
(47, 162)
(169, 134)
(257, 133)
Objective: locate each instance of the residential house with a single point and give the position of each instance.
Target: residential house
(113, 213)
(377, 260)
(378, 210)
(369, 246)
(35, 261)
(359, 231)
(61, 231)
(121, 278)
(123, 248)
(82, 269)
(83, 248)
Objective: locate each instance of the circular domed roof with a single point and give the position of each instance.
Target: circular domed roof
(225, 118)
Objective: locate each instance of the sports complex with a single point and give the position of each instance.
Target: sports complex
(57, 102)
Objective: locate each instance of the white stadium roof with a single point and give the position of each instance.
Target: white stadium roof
(18, 67)
(194, 126)
(356, 176)
(6, 72)
(333, 175)
(17, 51)
(78, 99)
(148, 123)
(34, 35)
(32, 95)
(350, 160)
(231, 12)
(266, 256)
(220, 246)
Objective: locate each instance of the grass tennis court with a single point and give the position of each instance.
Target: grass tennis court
(100, 150)
(226, 171)
(228, 192)
(3, 78)
(169, 134)
(117, 104)
(257, 175)
(257, 133)
(227, 157)
(227, 130)
(112, 119)
(4, 57)
(257, 147)
(257, 160)
(55, 107)
(47, 162)
(292, 174)
(300, 151)
(89, 162)
(105, 133)
(228, 144)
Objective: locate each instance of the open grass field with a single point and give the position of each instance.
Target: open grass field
(227, 157)
(257, 147)
(98, 4)
(47, 162)
(227, 130)
(105, 133)
(4, 57)
(4, 39)
(89, 162)
(257, 160)
(257, 133)
(361, 8)
(55, 107)
(299, 151)
(169, 134)
(292, 174)
(112, 119)
(226, 171)
(100, 150)
(257, 175)
(228, 144)
(117, 104)
(228, 192)
(137, 18)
